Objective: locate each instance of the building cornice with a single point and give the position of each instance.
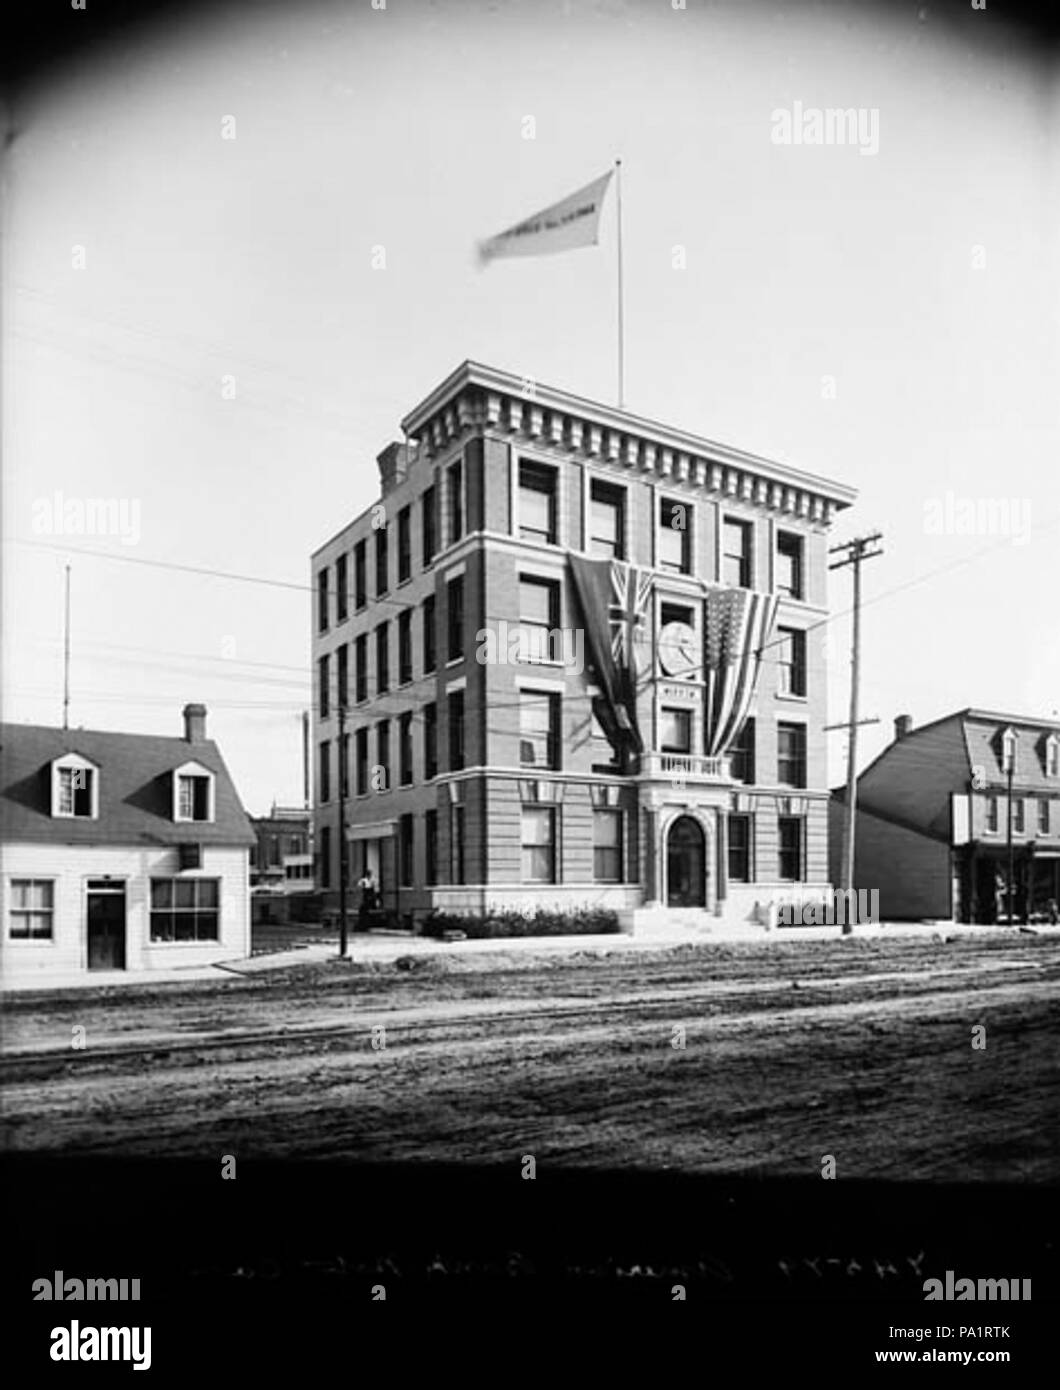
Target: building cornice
(482, 397)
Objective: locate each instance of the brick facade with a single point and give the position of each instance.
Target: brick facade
(480, 421)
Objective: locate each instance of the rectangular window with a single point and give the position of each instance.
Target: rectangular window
(185, 909)
(676, 613)
(791, 661)
(342, 675)
(30, 915)
(789, 852)
(322, 600)
(742, 754)
(360, 666)
(406, 845)
(1043, 816)
(740, 849)
(428, 526)
(324, 862)
(430, 741)
(736, 553)
(382, 659)
(537, 502)
(405, 647)
(341, 594)
(675, 536)
(455, 606)
(75, 791)
(539, 725)
(791, 755)
(324, 680)
(382, 732)
(675, 730)
(602, 752)
(456, 501)
(607, 846)
(456, 844)
(344, 764)
(360, 573)
(991, 814)
(430, 838)
(607, 520)
(404, 544)
(456, 730)
(405, 749)
(430, 658)
(1019, 819)
(382, 561)
(789, 564)
(1052, 757)
(538, 618)
(193, 797)
(324, 776)
(539, 844)
(361, 748)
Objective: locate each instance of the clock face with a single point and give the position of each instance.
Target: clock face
(678, 650)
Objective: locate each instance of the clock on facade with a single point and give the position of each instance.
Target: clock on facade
(678, 650)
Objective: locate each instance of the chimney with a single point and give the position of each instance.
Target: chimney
(902, 726)
(195, 723)
(393, 465)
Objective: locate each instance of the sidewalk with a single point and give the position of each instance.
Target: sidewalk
(383, 948)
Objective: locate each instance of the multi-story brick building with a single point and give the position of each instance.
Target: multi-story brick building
(933, 819)
(540, 764)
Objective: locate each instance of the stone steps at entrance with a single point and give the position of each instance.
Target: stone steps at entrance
(646, 920)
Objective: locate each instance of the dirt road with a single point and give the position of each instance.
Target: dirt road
(757, 1058)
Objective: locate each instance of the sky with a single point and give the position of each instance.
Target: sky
(197, 321)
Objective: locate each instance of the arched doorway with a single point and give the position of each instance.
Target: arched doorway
(686, 884)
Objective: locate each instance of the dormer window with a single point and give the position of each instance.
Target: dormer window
(1008, 751)
(75, 788)
(1052, 756)
(193, 793)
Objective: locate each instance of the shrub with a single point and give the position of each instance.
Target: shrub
(582, 921)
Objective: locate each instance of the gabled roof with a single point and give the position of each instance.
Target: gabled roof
(135, 789)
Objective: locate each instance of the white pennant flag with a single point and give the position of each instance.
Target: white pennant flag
(572, 222)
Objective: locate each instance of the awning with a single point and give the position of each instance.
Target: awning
(377, 830)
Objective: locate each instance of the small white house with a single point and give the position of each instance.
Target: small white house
(119, 852)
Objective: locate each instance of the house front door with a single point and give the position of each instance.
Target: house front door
(686, 881)
(106, 925)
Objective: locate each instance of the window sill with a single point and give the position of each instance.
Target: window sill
(791, 698)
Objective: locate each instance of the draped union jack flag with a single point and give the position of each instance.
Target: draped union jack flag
(631, 589)
(615, 600)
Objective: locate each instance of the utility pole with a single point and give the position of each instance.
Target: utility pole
(343, 770)
(307, 795)
(1011, 759)
(856, 550)
(66, 655)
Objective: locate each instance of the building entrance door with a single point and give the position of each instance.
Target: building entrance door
(686, 884)
(106, 925)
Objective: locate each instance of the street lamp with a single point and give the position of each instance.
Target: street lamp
(1009, 755)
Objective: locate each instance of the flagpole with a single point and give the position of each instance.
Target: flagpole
(621, 331)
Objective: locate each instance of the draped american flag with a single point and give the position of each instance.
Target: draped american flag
(738, 624)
